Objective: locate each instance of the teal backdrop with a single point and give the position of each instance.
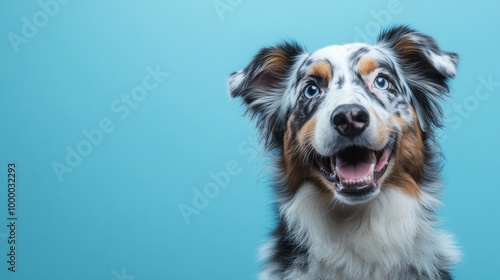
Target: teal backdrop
(131, 161)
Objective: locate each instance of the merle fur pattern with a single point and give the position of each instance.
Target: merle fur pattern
(311, 240)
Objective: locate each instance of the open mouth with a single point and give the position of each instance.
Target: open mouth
(355, 170)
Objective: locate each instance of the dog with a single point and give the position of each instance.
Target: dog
(352, 131)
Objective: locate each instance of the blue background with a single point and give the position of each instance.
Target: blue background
(116, 215)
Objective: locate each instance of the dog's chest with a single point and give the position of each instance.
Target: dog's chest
(370, 242)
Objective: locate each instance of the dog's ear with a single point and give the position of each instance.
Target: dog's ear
(263, 87)
(425, 66)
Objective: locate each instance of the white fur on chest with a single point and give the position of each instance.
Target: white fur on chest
(370, 241)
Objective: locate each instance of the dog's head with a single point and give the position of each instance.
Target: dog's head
(351, 119)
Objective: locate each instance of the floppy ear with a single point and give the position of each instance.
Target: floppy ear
(426, 68)
(263, 84)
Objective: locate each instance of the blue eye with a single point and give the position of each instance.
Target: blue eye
(381, 83)
(311, 91)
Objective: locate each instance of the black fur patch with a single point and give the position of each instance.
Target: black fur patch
(289, 254)
(340, 82)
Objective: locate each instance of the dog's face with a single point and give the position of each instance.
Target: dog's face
(352, 119)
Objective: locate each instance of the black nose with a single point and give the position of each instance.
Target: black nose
(350, 120)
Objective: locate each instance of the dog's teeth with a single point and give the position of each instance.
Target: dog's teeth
(350, 182)
(372, 167)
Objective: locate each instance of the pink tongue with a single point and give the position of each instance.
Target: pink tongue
(354, 171)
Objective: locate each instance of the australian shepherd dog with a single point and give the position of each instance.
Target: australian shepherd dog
(351, 129)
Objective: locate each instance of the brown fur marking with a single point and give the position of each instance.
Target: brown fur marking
(382, 132)
(295, 162)
(307, 132)
(366, 65)
(275, 66)
(406, 46)
(277, 60)
(408, 159)
(322, 71)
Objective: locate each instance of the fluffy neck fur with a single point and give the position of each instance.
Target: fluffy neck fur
(383, 239)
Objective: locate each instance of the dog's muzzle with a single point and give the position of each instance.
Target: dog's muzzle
(356, 169)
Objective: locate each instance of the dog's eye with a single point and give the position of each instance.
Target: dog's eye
(311, 91)
(381, 83)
